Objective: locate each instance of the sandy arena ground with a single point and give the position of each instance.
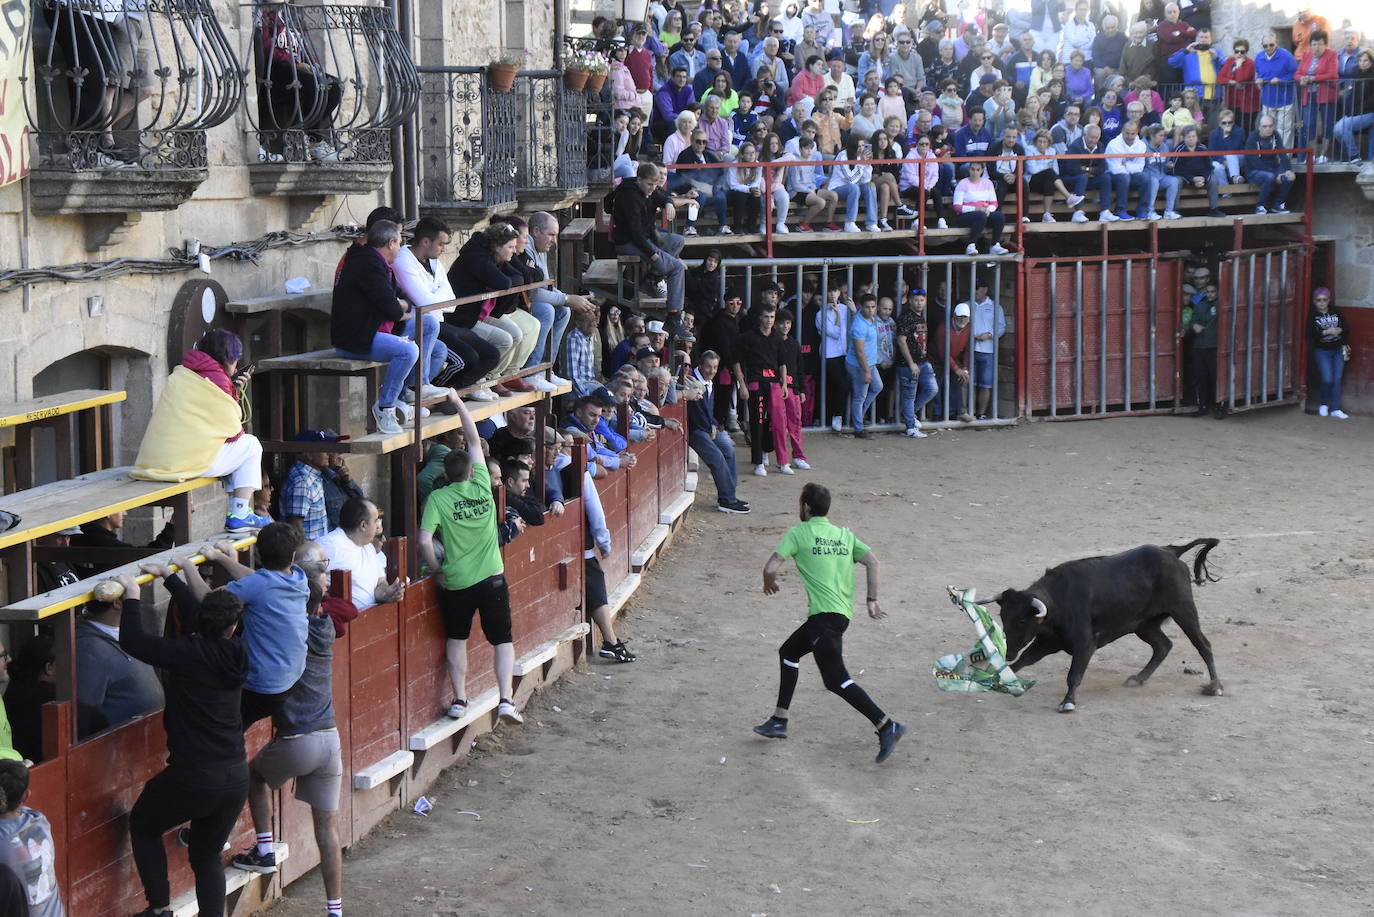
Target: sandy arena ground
(640, 788)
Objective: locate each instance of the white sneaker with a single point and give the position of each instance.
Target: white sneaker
(1079, 217)
(1172, 215)
(760, 471)
(781, 228)
(915, 433)
(1048, 218)
(1027, 219)
(885, 226)
(997, 249)
(1323, 411)
(323, 151)
(803, 464)
(690, 231)
(482, 394)
(385, 419)
(851, 226)
(1074, 200)
(726, 231)
(871, 227)
(1152, 215)
(971, 250)
(559, 381)
(1108, 217)
(836, 423)
(540, 384)
(1340, 415)
(941, 224)
(1261, 209)
(785, 469)
(407, 412)
(1320, 160)
(457, 710)
(506, 712)
(428, 391)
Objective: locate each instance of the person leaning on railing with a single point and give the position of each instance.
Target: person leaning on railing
(197, 428)
(1358, 100)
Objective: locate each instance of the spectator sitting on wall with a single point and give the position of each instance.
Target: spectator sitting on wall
(365, 311)
(989, 324)
(197, 428)
(108, 678)
(636, 207)
(205, 781)
(306, 746)
(350, 547)
(26, 844)
(462, 515)
(274, 619)
(543, 238)
(423, 282)
(486, 265)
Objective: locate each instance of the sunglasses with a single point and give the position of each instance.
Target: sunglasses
(1228, 122)
(698, 143)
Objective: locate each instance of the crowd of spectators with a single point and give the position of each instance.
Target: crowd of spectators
(813, 88)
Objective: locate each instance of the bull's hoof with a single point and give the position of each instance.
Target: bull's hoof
(1134, 681)
(1212, 689)
(1067, 707)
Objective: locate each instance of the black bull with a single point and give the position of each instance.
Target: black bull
(1082, 605)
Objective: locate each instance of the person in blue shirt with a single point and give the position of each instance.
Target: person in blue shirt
(861, 363)
(1275, 69)
(670, 100)
(972, 139)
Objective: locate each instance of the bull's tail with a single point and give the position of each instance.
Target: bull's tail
(1201, 574)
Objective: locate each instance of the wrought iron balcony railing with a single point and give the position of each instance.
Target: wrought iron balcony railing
(468, 140)
(552, 121)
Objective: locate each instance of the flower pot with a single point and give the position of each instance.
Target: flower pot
(595, 81)
(575, 80)
(501, 77)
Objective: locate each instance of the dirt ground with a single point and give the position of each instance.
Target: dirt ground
(640, 788)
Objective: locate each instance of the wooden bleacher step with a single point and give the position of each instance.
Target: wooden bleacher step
(546, 651)
(50, 406)
(317, 299)
(621, 594)
(442, 728)
(601, 272)
(394, 764)
(640, 556)
(673, 511)
(316, 361)
(234, 879)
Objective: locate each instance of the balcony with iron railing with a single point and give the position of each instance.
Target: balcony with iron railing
(120, 95)
(484, 153)
(331, 83)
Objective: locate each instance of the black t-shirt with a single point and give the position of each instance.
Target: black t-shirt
(760, 356)
(912, 326)
(789, 352)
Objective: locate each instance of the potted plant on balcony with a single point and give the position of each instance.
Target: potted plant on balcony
(501, 71)
(598, 69)
(575, 71)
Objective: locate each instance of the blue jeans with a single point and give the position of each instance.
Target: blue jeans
(667, 266)
(850, 195)
(1311, 112)
(1269, 181)
(1081, 182)
(916, 391)
(861, 394)
(1330, 366)
(435, 352)
(1144, 185)
(548, 316)
(718, 452)
(399, 354)
(1170, 184)
(1348, 127)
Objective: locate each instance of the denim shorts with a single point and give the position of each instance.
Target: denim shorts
(983, 364)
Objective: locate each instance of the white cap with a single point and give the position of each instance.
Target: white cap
(654, 327)
(961, 309)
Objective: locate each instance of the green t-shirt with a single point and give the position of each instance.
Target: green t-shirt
(464, 515)
(825, 556)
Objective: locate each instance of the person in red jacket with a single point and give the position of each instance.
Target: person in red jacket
(956, 379)
(1317, 72)
(1242, 93)
(1173, 35)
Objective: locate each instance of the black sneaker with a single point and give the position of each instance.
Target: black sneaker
(252, 861)
(732, 506)
(150, 912)
(617, 651)
(772, 728)
(887, 739)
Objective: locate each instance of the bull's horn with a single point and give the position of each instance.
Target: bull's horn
(1039, 606)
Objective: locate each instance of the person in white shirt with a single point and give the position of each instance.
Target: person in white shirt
(989, 324)
(976, 209)
(422, 282)
(352, 547)
(1128, 173)
(851, 180)
(1078, 33)
(839, 79)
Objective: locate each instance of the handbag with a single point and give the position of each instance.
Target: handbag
(1345, 352)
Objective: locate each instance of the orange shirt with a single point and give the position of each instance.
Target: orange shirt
(1302, 32)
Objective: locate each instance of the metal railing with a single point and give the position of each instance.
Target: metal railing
(331, 81)
(552, 125)
(468, 139)
(133, 90)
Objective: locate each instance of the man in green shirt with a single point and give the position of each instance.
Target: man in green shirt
(825, 555)
(473, 575)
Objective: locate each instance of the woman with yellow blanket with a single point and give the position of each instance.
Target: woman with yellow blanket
(197, 428)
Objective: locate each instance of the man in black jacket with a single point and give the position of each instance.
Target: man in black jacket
(206, 778)
(365, 298)
(636, 210)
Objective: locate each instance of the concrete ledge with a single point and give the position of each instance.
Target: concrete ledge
(545, 652)
(621, 594)
(374, 776)
(444, 727)
(640, 556)
(675, 509)
(691, 485)
(234, 879)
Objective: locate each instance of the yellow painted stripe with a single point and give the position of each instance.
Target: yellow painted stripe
(29, 533)
(57, 410)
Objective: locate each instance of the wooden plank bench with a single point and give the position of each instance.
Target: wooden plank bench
(316, 299)
(393, 765)
(69, 415)
(291, 369)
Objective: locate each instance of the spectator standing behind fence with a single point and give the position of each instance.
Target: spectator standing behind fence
(1327, 334)
(26, 846)
(915, 376)
(1204, 328)
(763, 379)
(463, 514)
(1242, 95)
(206, 777)
(197, 428)
(1317, 73)
(351, 547)
(301, 496)
(833, 321)
(1272, 171)
(1275, 69)
(975, 208)
(582, 354)
(989, 324)
(793, 391)
(861, 364)
(306, 747)
(1172, 35)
